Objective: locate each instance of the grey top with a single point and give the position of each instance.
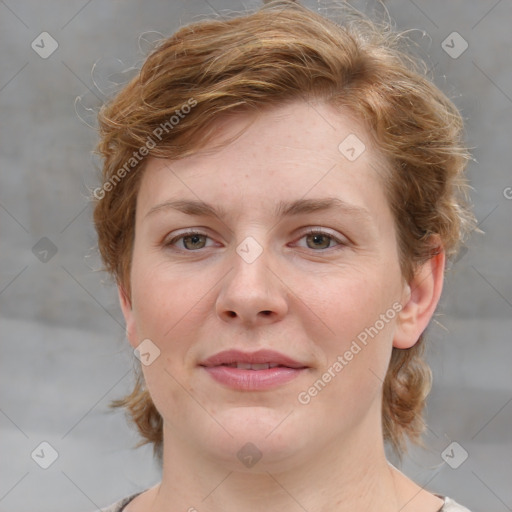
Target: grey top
(449, 505)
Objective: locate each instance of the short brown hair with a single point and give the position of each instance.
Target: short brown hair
(282, 52)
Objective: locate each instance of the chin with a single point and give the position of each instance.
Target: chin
(260, 440)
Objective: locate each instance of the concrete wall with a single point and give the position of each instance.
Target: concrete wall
(64, 356)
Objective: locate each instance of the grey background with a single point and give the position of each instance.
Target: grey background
(63, 352)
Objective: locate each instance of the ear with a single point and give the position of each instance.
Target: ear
(419, 300)
(126, 308)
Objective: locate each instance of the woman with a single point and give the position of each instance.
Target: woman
(280, 197)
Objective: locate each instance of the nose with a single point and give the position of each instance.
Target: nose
(252, 293)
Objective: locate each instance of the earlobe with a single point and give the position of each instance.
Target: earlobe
(420, 299)
(126, 308)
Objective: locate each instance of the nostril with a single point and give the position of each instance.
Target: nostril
(266, 312)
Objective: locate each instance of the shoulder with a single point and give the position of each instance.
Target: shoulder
(449, 505)
(452, 506)
(118, 506)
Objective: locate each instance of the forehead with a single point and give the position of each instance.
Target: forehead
(297, 150)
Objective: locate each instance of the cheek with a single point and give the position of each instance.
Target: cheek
(163, 299)
(168, 311)
(354, 300)
(361, 312)
(355, 358)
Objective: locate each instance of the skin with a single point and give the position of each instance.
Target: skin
(305, 296)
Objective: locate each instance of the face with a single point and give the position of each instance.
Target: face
(300, 258)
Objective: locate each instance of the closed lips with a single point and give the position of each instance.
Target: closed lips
(252, 371)
(251, 366)
(260, 360)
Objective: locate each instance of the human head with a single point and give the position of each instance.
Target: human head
(214, 69)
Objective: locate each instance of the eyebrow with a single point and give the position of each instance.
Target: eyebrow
(283, 209)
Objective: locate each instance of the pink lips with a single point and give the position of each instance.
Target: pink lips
(264, 369)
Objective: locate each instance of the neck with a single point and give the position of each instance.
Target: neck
(355, 476)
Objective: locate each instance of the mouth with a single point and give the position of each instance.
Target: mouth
(245, 371)
(260, 360)
(256, 366)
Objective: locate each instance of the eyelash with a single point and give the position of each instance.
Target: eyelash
(309, 232)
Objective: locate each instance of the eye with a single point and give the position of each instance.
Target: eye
(195, 240)
(318, 239)
(191, 240)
